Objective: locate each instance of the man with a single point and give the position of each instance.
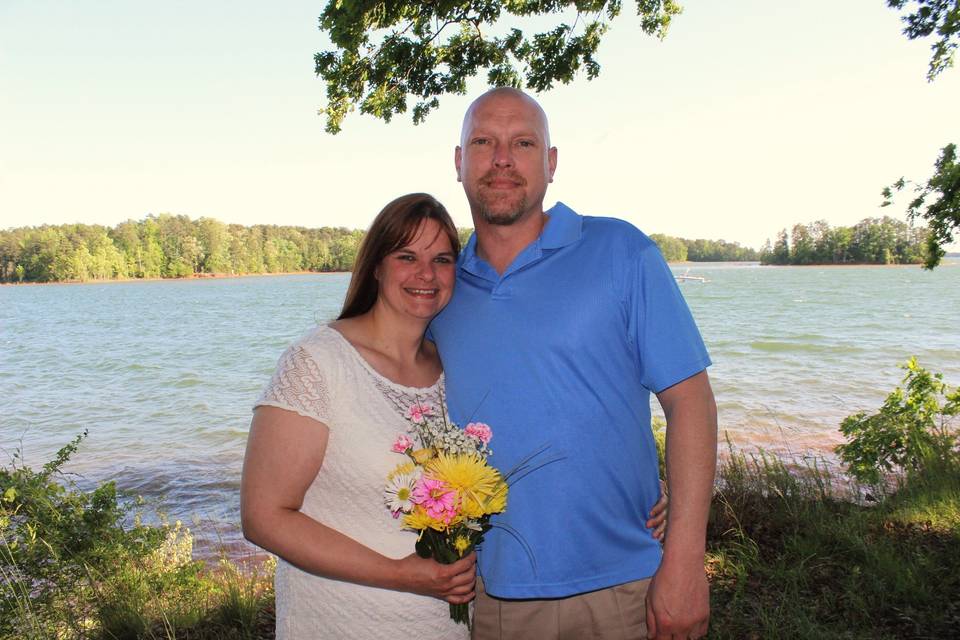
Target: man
(559, 328)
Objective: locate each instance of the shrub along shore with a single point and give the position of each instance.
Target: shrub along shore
(793, 550)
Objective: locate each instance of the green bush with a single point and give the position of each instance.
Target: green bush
(53, 541)
(72, 566)
(911, 430)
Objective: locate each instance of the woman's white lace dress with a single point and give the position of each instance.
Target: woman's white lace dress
(321, 376)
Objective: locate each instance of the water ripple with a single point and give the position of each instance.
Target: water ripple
(163, 374)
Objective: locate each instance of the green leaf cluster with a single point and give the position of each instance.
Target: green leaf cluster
(943, 213)
(911, 431)
(933, 16)
(74, 564)
(53, 541)
(387, 51)
(940, 17)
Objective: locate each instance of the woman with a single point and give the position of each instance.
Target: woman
(319, 447)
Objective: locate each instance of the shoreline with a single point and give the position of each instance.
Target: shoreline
(847, 265)
(915, 265)
(686, 263)
(196, 276)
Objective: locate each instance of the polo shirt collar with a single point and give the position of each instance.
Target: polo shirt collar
(563, 228)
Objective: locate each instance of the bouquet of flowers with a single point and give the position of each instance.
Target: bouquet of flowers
(446, 491)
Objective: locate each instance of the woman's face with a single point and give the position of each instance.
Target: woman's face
(417, 279)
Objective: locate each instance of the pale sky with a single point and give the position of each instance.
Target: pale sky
(749, 117)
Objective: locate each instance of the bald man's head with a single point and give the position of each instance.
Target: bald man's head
(504, 158)
(509, 93)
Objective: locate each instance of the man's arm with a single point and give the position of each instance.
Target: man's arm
(678, 601)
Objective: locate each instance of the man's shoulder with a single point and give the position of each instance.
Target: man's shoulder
(603, 225)
(616, 232)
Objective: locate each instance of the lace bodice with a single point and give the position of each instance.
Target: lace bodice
(298, 383)
(323, 377)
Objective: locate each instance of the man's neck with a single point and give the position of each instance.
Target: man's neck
(499, 245)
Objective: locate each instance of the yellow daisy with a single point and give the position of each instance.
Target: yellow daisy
(481, 488)
(405, 469)
(461, 544)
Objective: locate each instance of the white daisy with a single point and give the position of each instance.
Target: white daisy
(399, 490)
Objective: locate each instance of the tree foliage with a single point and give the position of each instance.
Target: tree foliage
(673, 249)
(940, 17)
(911, 429)
(943, 213)
(700, 250)
(386, 51)
(871, 241)
(933, 16)
(169, 246)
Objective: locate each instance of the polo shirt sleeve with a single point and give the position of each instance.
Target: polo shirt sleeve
(668, 344)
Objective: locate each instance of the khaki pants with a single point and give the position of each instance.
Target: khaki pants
(615, 613)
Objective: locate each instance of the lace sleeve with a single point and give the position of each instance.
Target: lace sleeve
(298, 385)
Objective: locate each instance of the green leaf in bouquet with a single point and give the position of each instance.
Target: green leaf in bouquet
(423, 547)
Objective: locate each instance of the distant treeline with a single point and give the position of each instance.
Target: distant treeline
(871, 241)
(682, 250)
(169, 246)
(174, 246)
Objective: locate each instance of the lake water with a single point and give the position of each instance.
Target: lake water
(163, 373)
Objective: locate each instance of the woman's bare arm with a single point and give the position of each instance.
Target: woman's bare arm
(284, 454)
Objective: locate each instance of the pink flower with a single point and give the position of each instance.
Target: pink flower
(418, 411)
(480, 431)
(401, 444)
(436, 497)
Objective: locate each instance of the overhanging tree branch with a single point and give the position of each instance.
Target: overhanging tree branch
(933, 16)
(943, 215)
(937, 202)
(411, 58)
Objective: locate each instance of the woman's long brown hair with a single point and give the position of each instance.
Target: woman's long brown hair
(393, 228)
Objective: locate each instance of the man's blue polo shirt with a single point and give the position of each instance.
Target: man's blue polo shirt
(562, 351)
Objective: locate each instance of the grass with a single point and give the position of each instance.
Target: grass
(225, 602)
(790, 555)
(794, 551)
(210, 604)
